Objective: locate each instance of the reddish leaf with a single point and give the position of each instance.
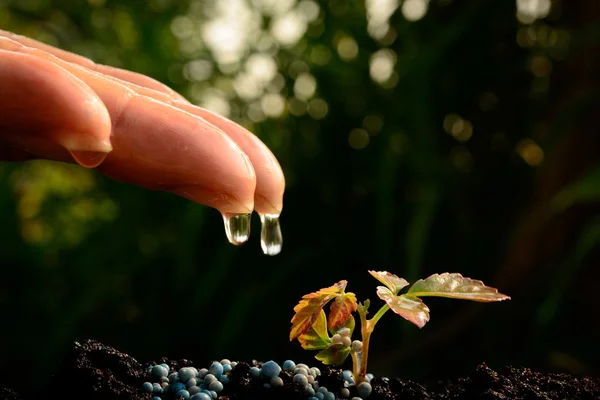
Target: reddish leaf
(349, 323)
(408, 307)
(309, 308)
(393, 282)
(457, 287)
(341, 311)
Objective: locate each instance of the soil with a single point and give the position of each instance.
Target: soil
(95, 371)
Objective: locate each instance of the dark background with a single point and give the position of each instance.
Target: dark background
(461, 140)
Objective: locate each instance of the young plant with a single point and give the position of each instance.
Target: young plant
(311, 326)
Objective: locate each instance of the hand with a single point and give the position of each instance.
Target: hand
(60, 106)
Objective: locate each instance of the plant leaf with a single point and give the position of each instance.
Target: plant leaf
(349, 323)
(457, 287)
(408, 307)
(309, 308)
(363, 308)
(335, 354)
(316, 337)
(393, 282)
(341, 311)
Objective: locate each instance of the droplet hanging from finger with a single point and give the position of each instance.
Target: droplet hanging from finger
(237, 228)
(271, 240)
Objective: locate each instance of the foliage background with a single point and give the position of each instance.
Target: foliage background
(417, 136)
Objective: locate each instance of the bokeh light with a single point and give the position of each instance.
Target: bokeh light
(414, 10)
(273, 105)
(358, 139)
(382, 65)
(460, 128)
(528, 11)
(347, 48)
(531, 152)
(289, 28)
(318, 108)
(379, 13)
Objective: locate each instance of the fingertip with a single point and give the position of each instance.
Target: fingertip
(87, 150)
(83, 142)
(89, 159)
(263, 205)
(225, 203)
(44, 105)
(270, 181)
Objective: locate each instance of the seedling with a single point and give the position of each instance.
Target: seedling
(312, 327)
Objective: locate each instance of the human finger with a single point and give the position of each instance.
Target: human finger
(161, 147)
(128, 76)
(50, 113)
(270, 182)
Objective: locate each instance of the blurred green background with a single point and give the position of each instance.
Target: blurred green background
(416, 136)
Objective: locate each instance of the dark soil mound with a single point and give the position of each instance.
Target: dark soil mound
(94, 371)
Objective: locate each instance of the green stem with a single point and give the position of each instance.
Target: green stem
(379, 314)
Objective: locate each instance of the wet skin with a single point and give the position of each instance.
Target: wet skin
(60, 106)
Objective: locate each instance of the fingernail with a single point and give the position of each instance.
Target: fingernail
(237, 228)
(271, 240)
(87, 150)
(89, 159)
(84, 142)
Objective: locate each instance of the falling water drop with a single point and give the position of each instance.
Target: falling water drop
(270, 234)
(237, 228)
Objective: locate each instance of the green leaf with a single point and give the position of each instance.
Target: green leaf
(335, 354)
(455, 286)
(341, 311)
(316, 337)
(309, 308)
(393, 282)
(363, 309)
(408, 307)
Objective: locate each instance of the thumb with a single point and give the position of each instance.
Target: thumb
(49, 113)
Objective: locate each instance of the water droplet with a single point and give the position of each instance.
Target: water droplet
(237, 228)
(270, 234)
